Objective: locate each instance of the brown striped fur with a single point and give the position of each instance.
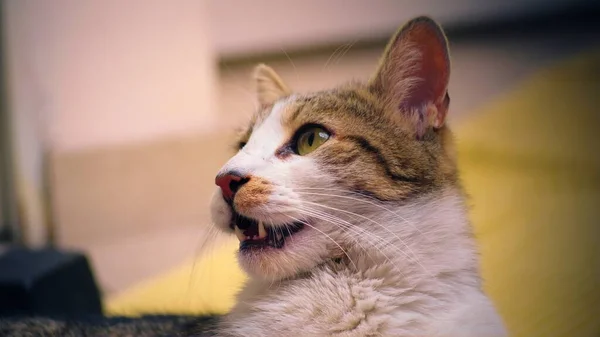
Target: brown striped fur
(376, 149)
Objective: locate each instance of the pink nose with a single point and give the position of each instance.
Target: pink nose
(230, 183)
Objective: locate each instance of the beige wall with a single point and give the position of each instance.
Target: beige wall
(110, 71)
(259, 26)
(90, 74)
(96, 72)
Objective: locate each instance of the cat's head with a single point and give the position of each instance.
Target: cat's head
(314, 170)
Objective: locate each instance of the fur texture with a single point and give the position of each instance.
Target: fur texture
(386, 248)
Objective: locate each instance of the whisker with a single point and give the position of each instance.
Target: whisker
(361, 200)
(338, 221)
(378, 243)
(292, 63)
(335, 220)
(210, 233)
(333, 54)
(414, 256)
(346, 50)
(355, 229)
(356, 199)
(329, 237)
(377, 223)
(289, 233)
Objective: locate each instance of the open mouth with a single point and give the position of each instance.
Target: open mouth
(253, 234)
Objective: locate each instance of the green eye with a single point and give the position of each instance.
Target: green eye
(311, 139)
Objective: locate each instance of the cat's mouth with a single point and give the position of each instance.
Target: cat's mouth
(254, 234)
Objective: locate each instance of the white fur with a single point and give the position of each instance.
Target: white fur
(259, 152)
(405, 269)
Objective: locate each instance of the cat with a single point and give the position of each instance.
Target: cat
(349, 209)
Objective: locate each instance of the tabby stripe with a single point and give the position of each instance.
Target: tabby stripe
(301, 104)
(359, 102)
(367, 146)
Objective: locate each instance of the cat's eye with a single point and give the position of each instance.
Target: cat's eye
(310, 139)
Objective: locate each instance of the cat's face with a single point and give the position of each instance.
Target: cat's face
(312, 171)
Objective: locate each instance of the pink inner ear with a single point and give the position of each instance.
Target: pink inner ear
(414, 74)
(432, 70)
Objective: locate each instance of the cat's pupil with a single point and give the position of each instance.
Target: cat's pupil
(311, 139)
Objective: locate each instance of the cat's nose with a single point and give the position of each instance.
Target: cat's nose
(230, 183)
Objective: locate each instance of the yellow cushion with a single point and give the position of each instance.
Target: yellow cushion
(529, 165)
(205, 286)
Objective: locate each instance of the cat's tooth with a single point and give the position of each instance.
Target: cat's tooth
(239, 234)
(279, 236)
(262, 232)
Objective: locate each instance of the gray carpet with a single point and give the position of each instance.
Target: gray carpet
(146, 326)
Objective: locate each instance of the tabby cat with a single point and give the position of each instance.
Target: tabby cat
(349, 210)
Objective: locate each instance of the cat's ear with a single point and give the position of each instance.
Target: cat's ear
(269, 86)
(414, 72)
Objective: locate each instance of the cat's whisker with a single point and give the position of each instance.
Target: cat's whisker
(359, 232)
(290, 234)
(375, 243)
(416, 259)
(292, 63)
(329, 237)
(417, 230)
(378, 205)
(355, 229)
(338, 221)
(211, 233)
(360, 200)
(345, 51)
(338, 49)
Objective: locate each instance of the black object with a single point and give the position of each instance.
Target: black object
(47, 282)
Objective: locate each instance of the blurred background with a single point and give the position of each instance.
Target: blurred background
(117, 114)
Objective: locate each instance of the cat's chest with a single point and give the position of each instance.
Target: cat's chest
(324, 304)
(333, 302)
